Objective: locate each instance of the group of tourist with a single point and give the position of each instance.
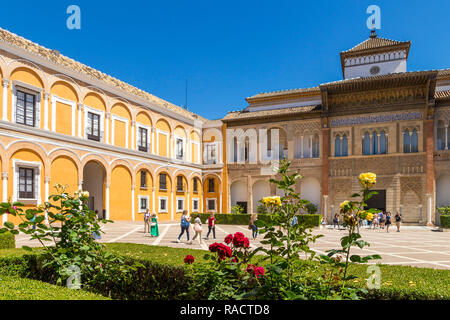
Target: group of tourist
(185, 224)
(381, 220)
(151, 224)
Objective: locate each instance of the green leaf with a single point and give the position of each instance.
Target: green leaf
(9, 225)
(26, 248)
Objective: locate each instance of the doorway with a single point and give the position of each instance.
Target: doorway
(378, 201)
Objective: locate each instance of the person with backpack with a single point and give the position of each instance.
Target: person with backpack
(388, 222)
(398, 221)
(253, 226)
(185, 225)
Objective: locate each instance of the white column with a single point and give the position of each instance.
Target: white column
(172, 147)
(310, 146)
(219, 209)
(46, 96)
(5, 99)
(446, 137)
(153, 140)
(80, 112)
(133, 134)
(153, 200)
(378, 140)
(429, 209)
(371, 144)
(5, 192)
(46, 194)
(301, 154)
(172, 215)
(325, 207)
(188, 206)
(107, 202)
(108, 120)
(132, 204)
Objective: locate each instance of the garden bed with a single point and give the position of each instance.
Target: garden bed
(397, 282)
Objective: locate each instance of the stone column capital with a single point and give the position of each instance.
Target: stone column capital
(47, 180)
(5, 175)
(108, 115)
(133, 123)
(80, 106)
(5, 83)
(133, 188)
(46, 95)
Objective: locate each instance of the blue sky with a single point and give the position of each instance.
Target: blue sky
(227, 50)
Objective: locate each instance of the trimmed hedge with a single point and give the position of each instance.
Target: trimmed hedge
(154, 281)
(7, 240)
(311, 220)
(445, 221)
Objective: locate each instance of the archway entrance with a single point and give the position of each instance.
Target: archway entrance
(93, 181)
(239, 195)
(442, 198)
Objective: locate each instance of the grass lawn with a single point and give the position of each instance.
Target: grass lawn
(14, 288)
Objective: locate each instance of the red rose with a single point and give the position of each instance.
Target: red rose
(229, 239)
(255, 270)
(240, 240)
(189, 259)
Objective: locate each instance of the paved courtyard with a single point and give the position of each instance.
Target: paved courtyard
(414, 246)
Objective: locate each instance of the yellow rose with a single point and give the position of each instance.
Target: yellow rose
(369, 216)
(343, 204)
(368, 179)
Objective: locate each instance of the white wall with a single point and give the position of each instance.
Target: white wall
(310, 190)
(260, 190)
(387, 67)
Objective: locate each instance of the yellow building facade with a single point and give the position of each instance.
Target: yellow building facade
(62, 122)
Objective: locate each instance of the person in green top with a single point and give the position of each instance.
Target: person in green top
(154, 226)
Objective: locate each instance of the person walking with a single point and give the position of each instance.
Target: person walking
(185, 224)
(398, 221)
(198, 229)
(211, 226)
(154, 226)
(388, 222)
(146, 221)
(336, 221)
(253, 226)
(382, 217)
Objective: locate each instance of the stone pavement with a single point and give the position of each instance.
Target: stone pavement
(414, 246)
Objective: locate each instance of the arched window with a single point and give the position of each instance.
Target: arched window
(383, 143)
(375, 143)
(247, 146)
(406, 141)
(269, 143)
(415, 141)
(316, 146)
(337, 146)
(366, 144)
(440, 143)
(344, 149)
(306, 146)
(298, 147)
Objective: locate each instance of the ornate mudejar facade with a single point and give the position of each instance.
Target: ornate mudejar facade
(62, 122)
(379, 118)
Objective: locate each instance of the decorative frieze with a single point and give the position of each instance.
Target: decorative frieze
(351, 121)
